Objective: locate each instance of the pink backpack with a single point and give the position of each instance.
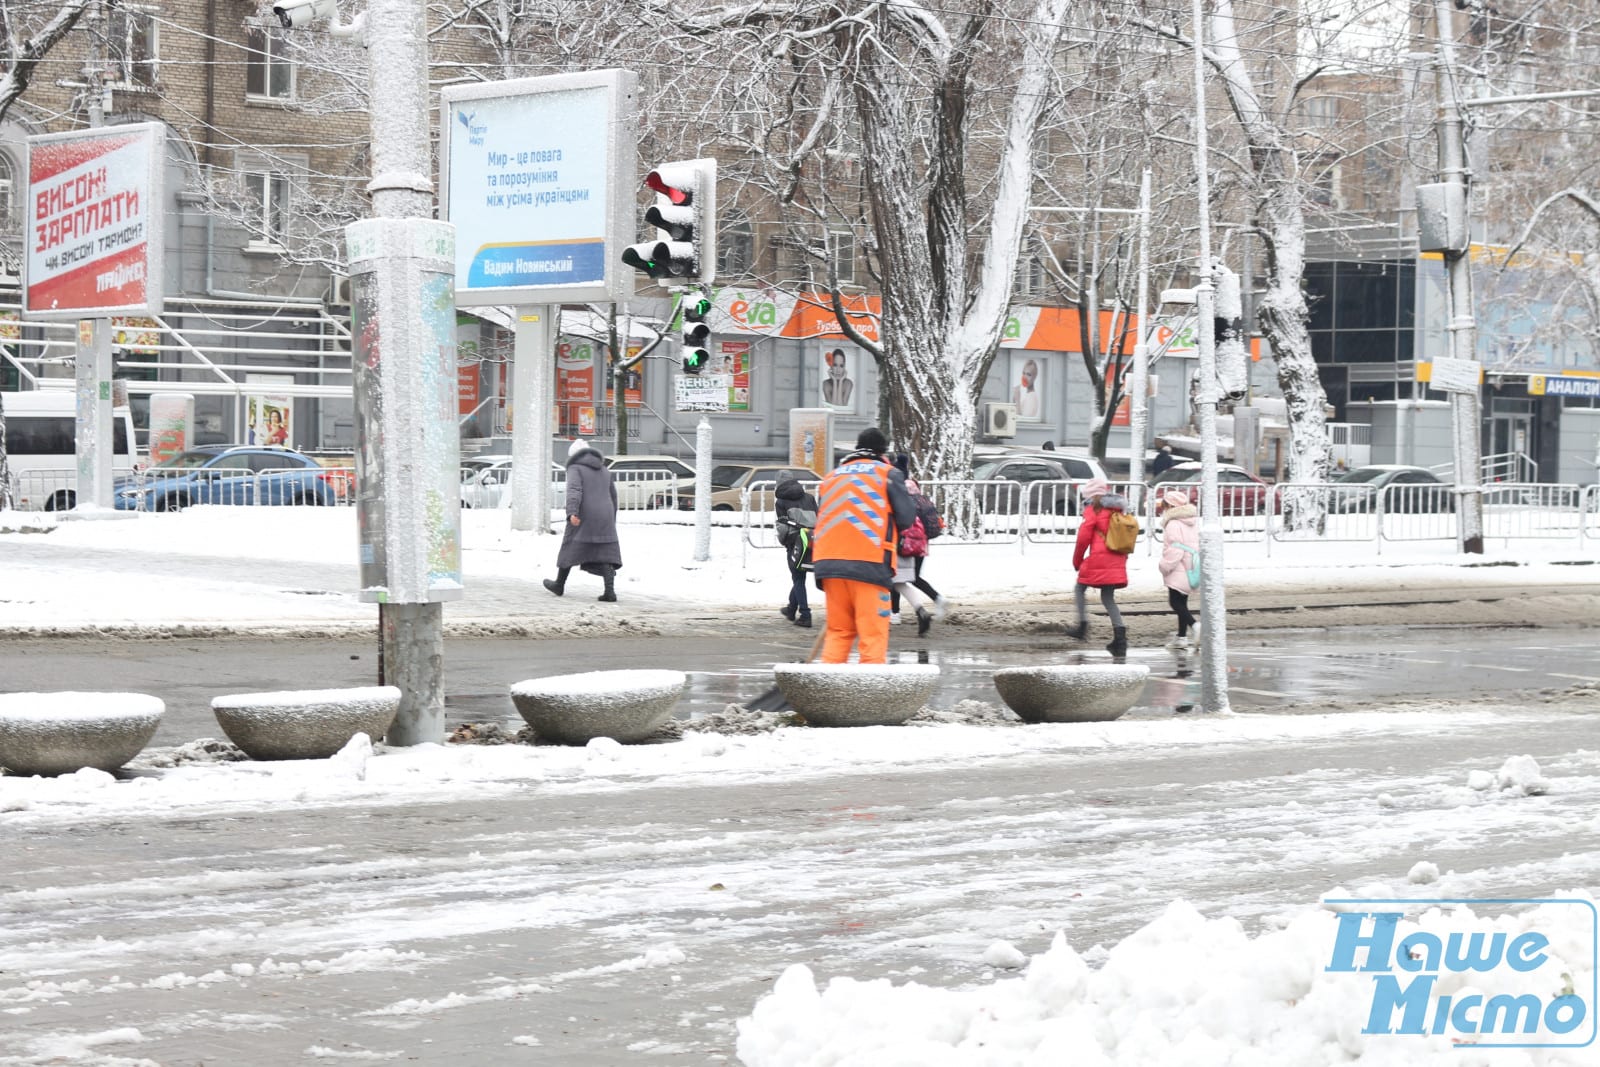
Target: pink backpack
(914, 540)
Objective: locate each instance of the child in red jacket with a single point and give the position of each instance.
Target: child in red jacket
(1098, 566)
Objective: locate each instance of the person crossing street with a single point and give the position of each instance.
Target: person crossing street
(863, 507)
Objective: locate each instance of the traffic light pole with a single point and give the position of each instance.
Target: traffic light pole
(1465, 408)
(702, 490)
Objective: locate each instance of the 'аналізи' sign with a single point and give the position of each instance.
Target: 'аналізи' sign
(538, 182)
(94, 223)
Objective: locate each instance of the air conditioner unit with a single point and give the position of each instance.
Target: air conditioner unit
(338, 294)
(1000, 420)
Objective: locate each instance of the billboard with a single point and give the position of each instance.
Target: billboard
(538, 179)
(94, 223)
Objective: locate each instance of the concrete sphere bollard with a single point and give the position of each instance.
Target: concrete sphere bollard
(305, 723)
(58, 733)
(1091, 692)
(574, 709)
(857, 694)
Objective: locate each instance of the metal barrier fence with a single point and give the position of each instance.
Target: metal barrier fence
(52, 489)
(1323, 511)
(173, 489)
(646, 490)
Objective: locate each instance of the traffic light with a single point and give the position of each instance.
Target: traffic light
(696, 333)
(685, 218)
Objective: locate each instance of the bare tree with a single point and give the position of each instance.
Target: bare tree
(1274, 183)
(29, 31)
(946, 153)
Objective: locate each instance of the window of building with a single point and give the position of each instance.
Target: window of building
(842, 251)
(736, 248)
(8, 193)
(268, 193)
(269, 71)
(131, 46)
(1320, 112)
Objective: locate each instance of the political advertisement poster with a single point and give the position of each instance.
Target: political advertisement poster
(93, 228)
(733, 359)
(539, 184)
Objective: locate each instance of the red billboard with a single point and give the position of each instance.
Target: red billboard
(94, 222)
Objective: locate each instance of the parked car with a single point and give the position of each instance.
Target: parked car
(1416, 489)
(730, 480)
(1241, 492)
(1021, 472)
(490, 485)
(642, 480)
(1080, 466)
(232, 474)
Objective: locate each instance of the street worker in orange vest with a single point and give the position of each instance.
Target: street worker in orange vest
(863, 506)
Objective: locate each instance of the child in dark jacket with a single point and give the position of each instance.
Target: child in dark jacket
(796, 516)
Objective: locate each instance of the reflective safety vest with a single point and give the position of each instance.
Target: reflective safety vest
(853, 513)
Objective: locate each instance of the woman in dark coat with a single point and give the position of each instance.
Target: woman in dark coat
(590, 539)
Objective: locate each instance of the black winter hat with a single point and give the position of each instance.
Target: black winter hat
(872, 440)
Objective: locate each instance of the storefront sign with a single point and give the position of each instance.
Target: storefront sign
(1563, 385)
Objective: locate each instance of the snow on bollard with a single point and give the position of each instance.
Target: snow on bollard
(1071, 693)
(856, 694)
(58, 733)
(574, 709)
(305, 723)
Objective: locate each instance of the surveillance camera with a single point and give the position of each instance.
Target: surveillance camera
(294, 14)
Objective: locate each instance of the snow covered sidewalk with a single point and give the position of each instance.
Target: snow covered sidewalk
(283, 569)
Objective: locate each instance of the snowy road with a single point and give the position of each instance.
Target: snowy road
(595, 922)
(1272, 669)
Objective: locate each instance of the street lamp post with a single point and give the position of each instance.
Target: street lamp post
(403, 310)
(1213, 607)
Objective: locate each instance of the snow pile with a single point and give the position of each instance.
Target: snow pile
(1518, 776)
(1183, 989)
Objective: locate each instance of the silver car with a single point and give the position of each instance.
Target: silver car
(490, 485)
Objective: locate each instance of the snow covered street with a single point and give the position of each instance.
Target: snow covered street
(689, 902)
(610, 904)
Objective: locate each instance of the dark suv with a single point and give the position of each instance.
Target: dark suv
(233, 474)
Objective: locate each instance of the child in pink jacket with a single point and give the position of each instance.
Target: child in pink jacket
(1181, 538)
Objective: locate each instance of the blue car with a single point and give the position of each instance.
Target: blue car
(231, 474)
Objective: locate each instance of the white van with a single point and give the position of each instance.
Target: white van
(41, 447)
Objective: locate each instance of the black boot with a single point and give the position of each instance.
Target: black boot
(787, 611)
(559, 586)
(924, 620)
(1119, 642)
(1077, 632)
(610, 577)
(803, 619)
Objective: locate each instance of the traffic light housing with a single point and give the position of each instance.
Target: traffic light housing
(696, 333)
(685, 218)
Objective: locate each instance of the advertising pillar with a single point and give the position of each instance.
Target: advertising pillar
(408, 452)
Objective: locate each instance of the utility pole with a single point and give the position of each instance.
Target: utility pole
(1213, 608)
(92, 355)
(402, 266)
(1138, 418)
(1465, 409)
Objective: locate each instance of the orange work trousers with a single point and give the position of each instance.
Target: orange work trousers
(856, 610)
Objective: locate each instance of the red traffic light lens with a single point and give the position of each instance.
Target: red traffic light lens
(676, 195)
